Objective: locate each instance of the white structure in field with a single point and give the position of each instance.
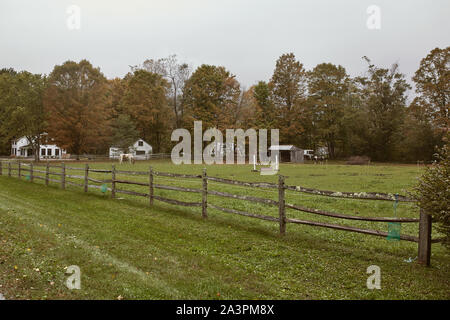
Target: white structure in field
(308, 154)
(22, 148)
(289, 153)
(141, 150)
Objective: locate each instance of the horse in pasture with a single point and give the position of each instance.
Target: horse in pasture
(127, 156)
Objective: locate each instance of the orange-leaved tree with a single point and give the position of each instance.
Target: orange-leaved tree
(145, 102)
(76, 103)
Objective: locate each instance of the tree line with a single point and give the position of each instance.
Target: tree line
(84, 112)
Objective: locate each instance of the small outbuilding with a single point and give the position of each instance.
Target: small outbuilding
(289, 153)
(140, 149)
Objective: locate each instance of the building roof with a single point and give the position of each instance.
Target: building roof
(284, 148)
(115, 146)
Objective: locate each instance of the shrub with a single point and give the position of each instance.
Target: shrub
(433, 193)
(357, 160)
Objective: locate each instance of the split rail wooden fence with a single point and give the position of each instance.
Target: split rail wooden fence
(425, 222)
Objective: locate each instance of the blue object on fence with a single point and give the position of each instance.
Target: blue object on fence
(28, 177)
(104, 188)
(394, 228)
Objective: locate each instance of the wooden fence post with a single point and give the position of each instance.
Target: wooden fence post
(86, 179)
(63, 175)
(205, 195)
(19, 170)
(113, 182)
(1, 169)
(281, 205)
(9, 169)
(31, 171)
(424, 238)
(47, 169)
(150, 178)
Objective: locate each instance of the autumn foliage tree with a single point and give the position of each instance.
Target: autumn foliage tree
(246, 110)
(21, 108)
(77, 107)
(288, 88)
(383, 94)
(432, 81)
(212, 95)
(145, 102)
(265, 113)
(176, 74)
(419, 137)
(366, 115)
(328, 88)
(115, 94)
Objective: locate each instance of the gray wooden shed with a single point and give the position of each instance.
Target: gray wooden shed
(289, 153)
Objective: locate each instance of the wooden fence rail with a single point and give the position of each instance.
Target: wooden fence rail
(346, 216)
(425, 224)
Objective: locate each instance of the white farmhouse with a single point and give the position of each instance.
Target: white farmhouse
(22, 148)
(140, 149)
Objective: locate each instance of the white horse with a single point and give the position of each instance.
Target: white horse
(126, 156)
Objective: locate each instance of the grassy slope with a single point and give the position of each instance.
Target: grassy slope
(126, 248)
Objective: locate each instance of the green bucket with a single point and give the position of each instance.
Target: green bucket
(394, 229)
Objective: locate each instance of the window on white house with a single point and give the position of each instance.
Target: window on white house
(49, 152)
(57, 152)
(140, 152)
(42, 152)
(141, 143)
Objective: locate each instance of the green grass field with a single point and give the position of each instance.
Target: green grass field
(126, 248)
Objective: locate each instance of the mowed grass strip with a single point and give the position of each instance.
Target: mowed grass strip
(126, 248)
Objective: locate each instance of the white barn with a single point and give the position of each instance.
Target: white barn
(22, 148)
(141, 150)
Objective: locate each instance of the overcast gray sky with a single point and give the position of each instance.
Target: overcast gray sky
(245, 36)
